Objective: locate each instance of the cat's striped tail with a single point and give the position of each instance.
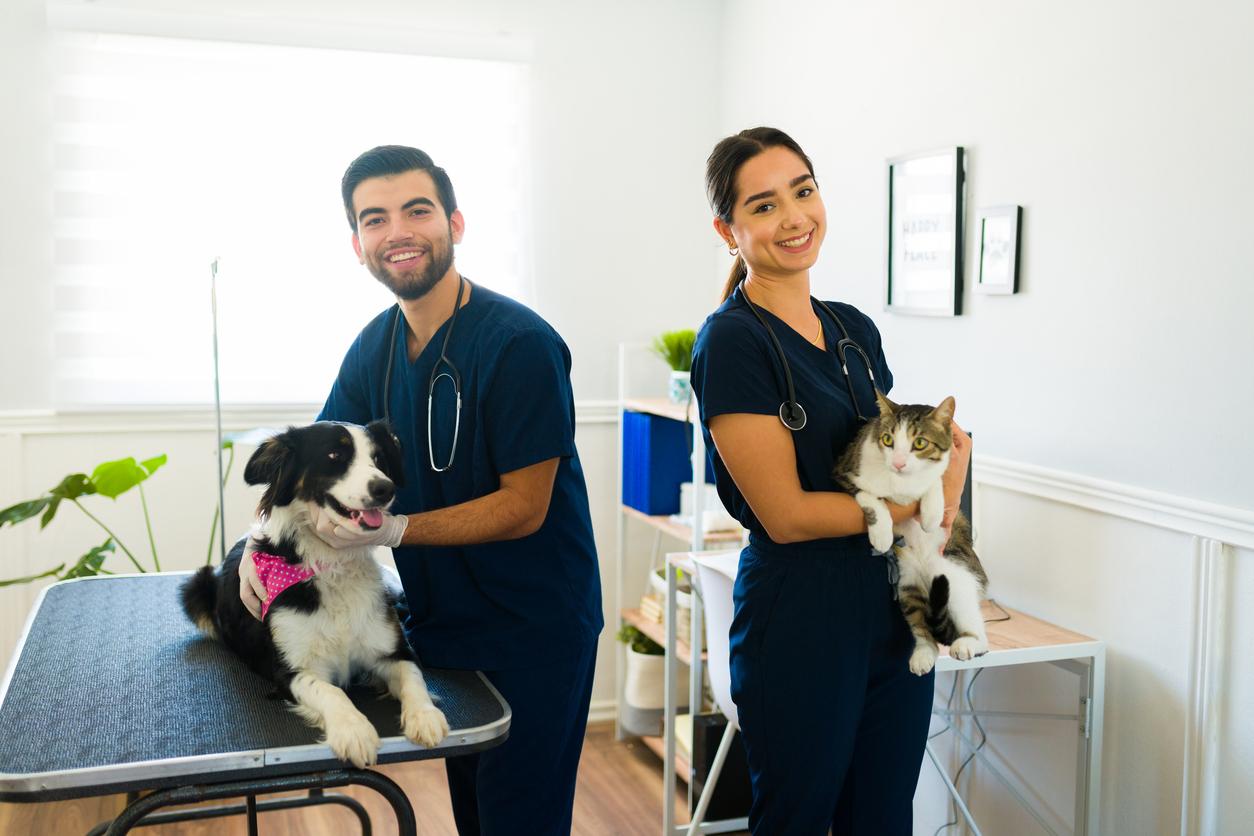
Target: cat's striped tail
(939, 623)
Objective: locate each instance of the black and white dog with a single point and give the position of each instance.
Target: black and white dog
(341, 620)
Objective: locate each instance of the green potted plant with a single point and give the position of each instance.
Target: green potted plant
(644, 691)
(675, 349)
(111, 479)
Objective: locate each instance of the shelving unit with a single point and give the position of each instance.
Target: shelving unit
(684, 538)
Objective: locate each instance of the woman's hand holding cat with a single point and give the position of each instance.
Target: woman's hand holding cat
(955, 476)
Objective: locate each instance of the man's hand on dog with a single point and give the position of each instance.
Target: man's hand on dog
(336, 536)
(251, 590)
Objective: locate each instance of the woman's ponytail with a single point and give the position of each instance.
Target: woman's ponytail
(737, 275)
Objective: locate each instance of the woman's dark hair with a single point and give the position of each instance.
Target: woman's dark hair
(720, 177)
(386, 160)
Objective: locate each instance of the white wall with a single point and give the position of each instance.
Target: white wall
(1121, 128)
(26, 211)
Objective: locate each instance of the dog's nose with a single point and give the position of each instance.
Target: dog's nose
(381, 490)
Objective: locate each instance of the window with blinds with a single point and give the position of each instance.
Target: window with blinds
(170, 152)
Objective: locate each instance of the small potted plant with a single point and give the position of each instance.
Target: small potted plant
(644, 692)
(675, 348)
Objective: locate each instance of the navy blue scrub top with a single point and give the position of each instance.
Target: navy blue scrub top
(735, 369)
(493, 606)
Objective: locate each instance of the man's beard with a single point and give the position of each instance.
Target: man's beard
(415, 284)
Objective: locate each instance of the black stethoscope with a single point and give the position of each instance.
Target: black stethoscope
(790, 412)
(452, 374)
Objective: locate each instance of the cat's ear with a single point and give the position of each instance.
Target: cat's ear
(887, 407)
(944, 412)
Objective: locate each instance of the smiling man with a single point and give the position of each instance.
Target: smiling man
(493, 541)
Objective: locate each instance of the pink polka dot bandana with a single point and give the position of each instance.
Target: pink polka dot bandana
(276, 574)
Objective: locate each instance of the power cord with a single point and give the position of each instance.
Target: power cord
(983, 739)
(1001, 609)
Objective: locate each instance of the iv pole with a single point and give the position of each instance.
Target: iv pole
(217, 408)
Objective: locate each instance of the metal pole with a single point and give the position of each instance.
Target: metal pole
(953, 791)
(217, 408)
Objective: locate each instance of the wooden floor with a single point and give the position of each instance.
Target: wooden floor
(619, 794)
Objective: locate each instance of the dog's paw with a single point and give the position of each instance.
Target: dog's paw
(881, 535)
(923, 659)
(424, 725)
(968, 647)
(354, 739)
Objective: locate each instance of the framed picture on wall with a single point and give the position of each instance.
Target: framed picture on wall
(999, 249)
(925, 206)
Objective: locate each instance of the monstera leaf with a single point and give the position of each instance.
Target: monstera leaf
(29, 578)
(15, 514)
(90, 563)
(112, 479)
(71, 487)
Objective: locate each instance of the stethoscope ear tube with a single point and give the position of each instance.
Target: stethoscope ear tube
(791, 413)
(452, 374)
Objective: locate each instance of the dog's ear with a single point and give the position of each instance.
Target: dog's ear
(273, 464)
(389, 447)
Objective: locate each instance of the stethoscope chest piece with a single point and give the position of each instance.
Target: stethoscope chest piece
(792, 415)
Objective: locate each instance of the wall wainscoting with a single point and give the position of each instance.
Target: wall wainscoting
(1219, 534)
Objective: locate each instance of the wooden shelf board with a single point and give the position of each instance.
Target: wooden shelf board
(658, 747)
(680, 531)
(663, 407)
(655, 631)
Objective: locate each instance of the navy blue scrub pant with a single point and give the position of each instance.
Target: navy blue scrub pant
(527, 784)
(833, 722)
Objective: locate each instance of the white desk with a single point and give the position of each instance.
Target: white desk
(1022, 640)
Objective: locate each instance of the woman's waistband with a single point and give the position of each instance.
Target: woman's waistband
(855, 546)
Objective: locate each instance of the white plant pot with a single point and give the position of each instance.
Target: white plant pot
(644, 692)
(680, 388)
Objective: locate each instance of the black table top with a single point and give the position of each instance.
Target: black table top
(112, 689)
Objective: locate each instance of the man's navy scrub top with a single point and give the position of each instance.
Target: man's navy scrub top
(502, 605)
(735, 369)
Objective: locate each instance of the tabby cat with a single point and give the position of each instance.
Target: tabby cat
(900, 457)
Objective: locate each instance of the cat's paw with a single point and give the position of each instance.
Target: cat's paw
(968, 647)
(930, 518)
(923, 659)
(881, 535)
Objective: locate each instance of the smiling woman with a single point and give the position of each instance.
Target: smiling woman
(169, 152)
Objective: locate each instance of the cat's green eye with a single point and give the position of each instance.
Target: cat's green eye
(886, 439)
(920, 443)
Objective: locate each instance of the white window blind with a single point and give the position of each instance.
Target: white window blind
(169, 152)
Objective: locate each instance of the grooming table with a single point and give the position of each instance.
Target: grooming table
(112, 690)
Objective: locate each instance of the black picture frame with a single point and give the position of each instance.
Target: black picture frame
(926, 202)
(997, 271)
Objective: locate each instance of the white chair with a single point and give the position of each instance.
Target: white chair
(716, 574)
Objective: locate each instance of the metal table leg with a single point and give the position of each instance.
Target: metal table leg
(137, 813)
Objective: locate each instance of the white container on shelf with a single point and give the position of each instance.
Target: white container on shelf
(714, 516)
(644, 692)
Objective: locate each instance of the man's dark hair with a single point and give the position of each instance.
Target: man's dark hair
(386, 160)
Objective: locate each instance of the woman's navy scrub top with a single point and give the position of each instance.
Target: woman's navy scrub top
(507, 604)
(735, 370)
(832, 720)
